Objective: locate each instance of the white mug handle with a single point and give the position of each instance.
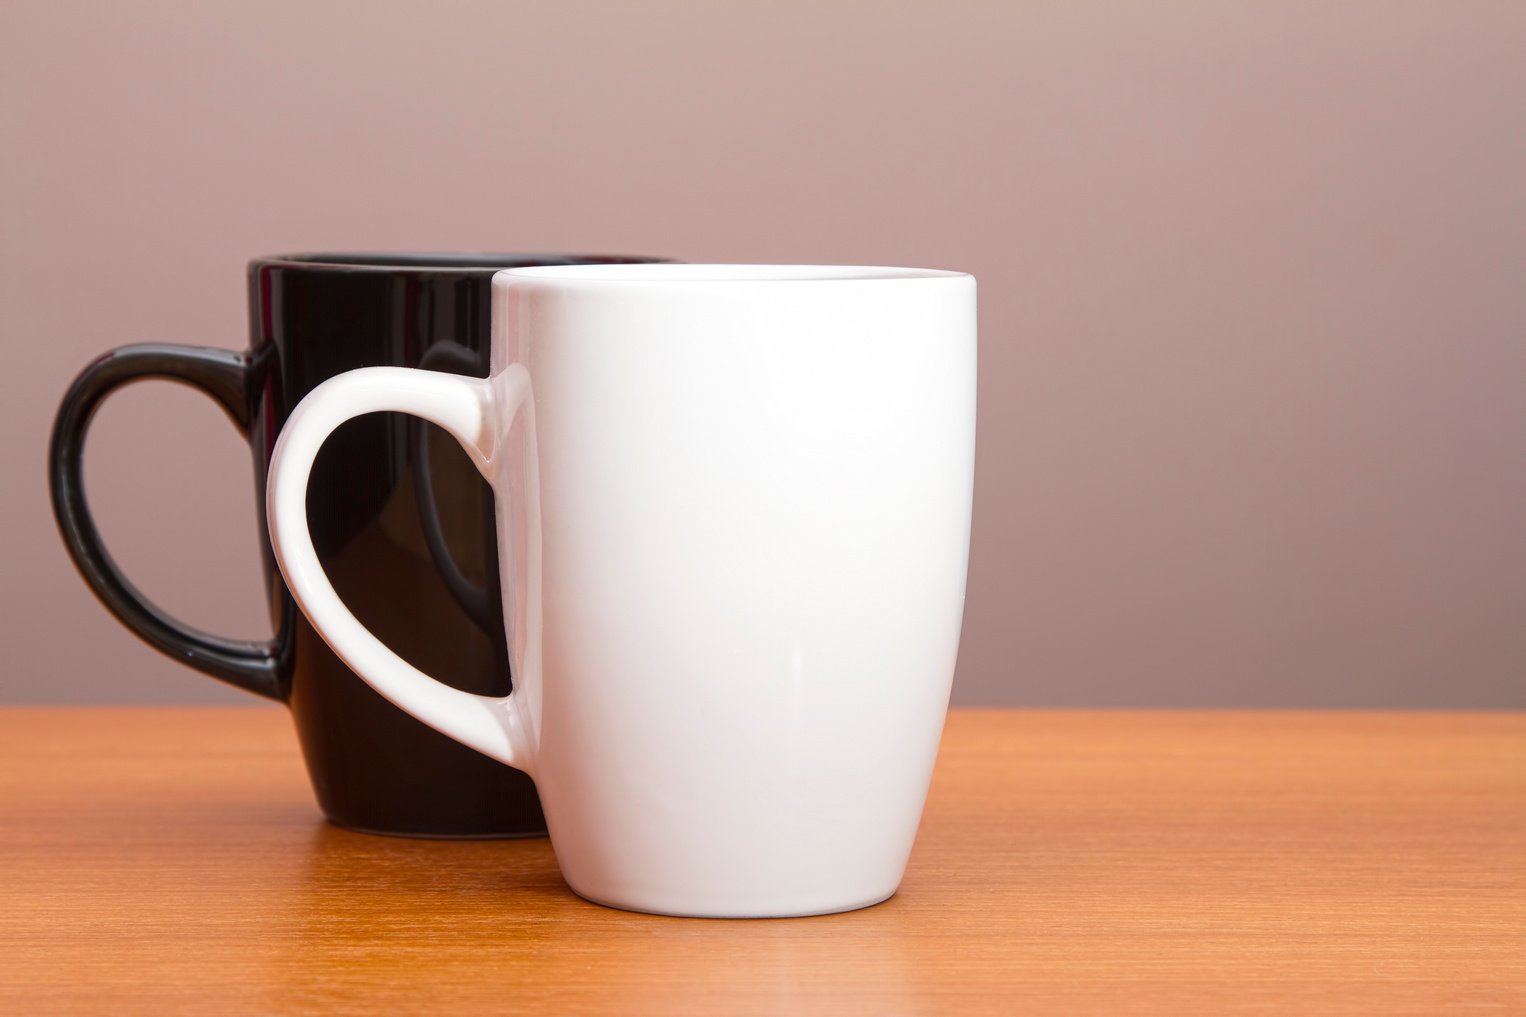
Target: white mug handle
(476, 411)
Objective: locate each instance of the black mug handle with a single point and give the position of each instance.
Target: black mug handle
(223, 375)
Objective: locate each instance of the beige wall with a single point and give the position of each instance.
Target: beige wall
(1253, 291)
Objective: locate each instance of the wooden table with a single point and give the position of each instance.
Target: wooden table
(169, 861)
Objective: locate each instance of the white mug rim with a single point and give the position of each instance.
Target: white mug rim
(710, 274)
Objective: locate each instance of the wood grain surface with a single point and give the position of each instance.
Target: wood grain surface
(172, 861)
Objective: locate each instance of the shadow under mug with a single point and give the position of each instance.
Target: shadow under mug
(402, 521)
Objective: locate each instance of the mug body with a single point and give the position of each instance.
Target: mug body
(404, 525)
(733, 525)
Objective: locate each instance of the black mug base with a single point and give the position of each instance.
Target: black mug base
(435, 835)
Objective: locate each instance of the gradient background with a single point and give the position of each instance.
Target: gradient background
(1253, 292)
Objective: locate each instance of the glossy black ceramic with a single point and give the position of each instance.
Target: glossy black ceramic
(401, 519)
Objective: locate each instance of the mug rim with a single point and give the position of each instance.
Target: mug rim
(474, 262)
(688, 273)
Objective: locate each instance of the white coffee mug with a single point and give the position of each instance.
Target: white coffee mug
(733, 517)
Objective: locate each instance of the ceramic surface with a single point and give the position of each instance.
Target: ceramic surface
(733, 509)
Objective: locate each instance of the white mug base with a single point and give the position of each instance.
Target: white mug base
(736, 913)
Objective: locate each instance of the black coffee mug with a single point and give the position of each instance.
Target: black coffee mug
(423, 579)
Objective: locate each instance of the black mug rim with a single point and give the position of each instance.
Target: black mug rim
(471, 262)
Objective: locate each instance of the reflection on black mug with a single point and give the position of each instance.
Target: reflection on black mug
(401, 518)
